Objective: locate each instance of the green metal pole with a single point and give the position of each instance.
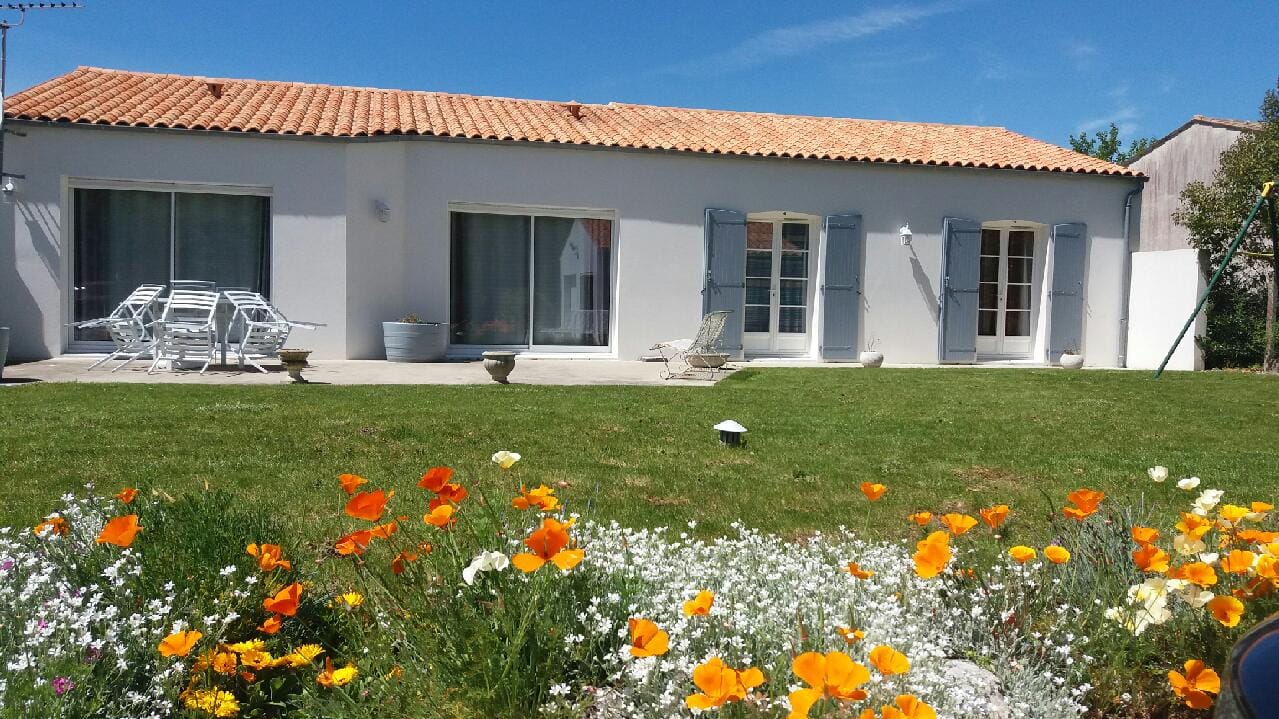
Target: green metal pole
(1230, 253)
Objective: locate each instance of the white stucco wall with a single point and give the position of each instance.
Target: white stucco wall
(334, 262)
(1165, 287)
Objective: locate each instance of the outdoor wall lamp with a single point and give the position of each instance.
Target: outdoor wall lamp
(906, 234)
(7, 189)
(382, 210)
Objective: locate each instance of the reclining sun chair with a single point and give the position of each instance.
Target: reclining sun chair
(129, 325)
(701, 352)
(187, 331)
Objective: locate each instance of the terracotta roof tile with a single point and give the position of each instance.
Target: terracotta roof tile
(115, 97)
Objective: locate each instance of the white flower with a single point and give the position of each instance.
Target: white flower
(1207, 500)
(1209, 557)
(1188, 483)
(1158, 473)
(485, 562)
(560, 690)
(1187, 546)
(505, 459)
(227, 570)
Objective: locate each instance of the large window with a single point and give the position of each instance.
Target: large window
(126, 238)
(530, 280)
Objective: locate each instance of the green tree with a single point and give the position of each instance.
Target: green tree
(1240, 309)
(1106, 145)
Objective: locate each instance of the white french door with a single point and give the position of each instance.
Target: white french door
(777, 314)
(1006, 292)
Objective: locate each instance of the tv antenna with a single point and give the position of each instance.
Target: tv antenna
(6, 181)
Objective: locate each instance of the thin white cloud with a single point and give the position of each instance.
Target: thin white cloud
(1124, 114)
(792, 40)
(1082, 54)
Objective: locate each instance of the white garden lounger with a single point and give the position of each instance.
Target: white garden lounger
(257, 328)
(187, 330)
(129, 325)
(700, 352)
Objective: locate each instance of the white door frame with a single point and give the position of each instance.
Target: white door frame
(774, 342)
(1000, 345)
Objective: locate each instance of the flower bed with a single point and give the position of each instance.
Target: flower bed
(441, 603)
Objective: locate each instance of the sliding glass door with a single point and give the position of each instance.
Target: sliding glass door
(125, 238)
(525, 280)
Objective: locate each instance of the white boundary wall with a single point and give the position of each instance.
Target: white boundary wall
(1165, 286)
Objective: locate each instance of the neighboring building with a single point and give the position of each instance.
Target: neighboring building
(1166, 276)
(558, 228)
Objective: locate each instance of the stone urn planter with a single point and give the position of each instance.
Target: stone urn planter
(499, 365)
(871, 358)
(708, 360)
(411, 340)
(1071, 360)
(294, 362)
(4, 348)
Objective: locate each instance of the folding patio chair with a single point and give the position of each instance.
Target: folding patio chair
(700, 352)
(129, 325)
(187, 330)
(259, 328)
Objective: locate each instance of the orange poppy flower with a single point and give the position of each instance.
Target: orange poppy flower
(1150, 558)
(271, 625)
(399, 563)
(354, 543)
(856, 570)
(850, 635)
(179, 644)
(1144, 535)
(647, 640)
(1022, 553)
(549, 543)
(269, 556)
(435, 479)
(54, 525)
(1195, 685)
(1226, 609)
(441, 516)
(285, 601)
(932, 554)
(700, 605)
(451, 492)
(908, 707)
(542, 498)
(351, 482)
(368, 505)
(873, 491)
(383, 531)
(921, 518)
(1196, 573)
(888, 661)
(1194, 526)
(1257, 536)
(721, 684)
(994, 516)
(1057, 554)
(957, 523)
(834, 675)
(1085, 501)
(1238, 562)
(127, 495)
(120, 531)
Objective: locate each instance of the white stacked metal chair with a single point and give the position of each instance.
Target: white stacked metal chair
(130, 325)
(707, 341)
(257, 329)
(187, 331)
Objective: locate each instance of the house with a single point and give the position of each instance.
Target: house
(1167, 278)
(559, 228)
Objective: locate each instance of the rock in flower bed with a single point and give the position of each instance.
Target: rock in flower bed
(436, 602)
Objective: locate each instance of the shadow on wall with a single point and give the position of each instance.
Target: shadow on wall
(19, 310)
(924, 285)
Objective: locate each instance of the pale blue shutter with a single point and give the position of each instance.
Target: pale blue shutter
(841, 287)
(1066, 296)
(961, 248)
(726, 272)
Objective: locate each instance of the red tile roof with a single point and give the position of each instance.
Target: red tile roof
(135, 99)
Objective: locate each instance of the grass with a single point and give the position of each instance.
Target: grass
(953, 439)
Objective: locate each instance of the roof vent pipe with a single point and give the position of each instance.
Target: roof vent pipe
(574, 108)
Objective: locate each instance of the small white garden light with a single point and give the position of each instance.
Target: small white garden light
(730, 432)
(906, 234)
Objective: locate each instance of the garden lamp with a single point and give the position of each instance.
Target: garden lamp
(730, 432)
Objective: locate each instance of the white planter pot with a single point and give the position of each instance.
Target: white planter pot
(870, 358)
(499, 365)
(415, 341)
(1071, 361)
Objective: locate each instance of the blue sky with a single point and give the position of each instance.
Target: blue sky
(1043, 69)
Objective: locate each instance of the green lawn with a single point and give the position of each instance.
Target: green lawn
(940, 439)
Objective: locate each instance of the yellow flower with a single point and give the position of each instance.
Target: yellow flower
(1226, 609)
(213, 701)
(257, 659)
(225, 662)
(1022, 553)
(889, 661)
(1057, 554)
(302, 656)
(247, 646)
(331, 677)
(352, 599)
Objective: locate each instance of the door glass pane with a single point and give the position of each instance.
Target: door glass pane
(1021, 243)
(121, 241)
(757, 291)
(1016, 324)
(794, 292)
(759, 235)
(990, 242)
(795, 264)
(222, 239)
(489, 294)
(795, 236)
(988, 296)
(987, 323)
(1019, 269)
(571, 281)
(1018, 297)
(759, 263)
(990, 269)
(790, 319)
(756, 319)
